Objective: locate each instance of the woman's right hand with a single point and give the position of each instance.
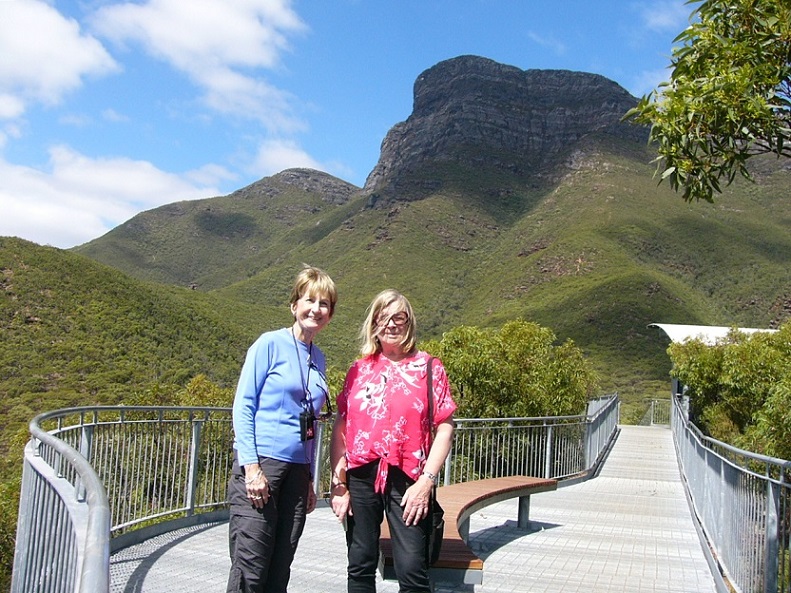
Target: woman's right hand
(341, 500)
(257, 485)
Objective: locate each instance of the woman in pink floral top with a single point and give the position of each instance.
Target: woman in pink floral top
(382, 464)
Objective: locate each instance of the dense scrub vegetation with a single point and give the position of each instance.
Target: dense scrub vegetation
(76, 333)
(740, 388)
(514, 371)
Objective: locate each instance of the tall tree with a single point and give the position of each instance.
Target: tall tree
(514, 371)
(728, 97)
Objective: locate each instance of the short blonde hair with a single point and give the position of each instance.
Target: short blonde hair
(315, 282)
(370, 343)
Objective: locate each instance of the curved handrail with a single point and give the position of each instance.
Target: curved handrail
(92, 559)
(131, 465)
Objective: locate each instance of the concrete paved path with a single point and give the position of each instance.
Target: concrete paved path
(628, 530)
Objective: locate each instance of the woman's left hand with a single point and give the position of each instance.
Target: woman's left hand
(416, 500)
(311, 506)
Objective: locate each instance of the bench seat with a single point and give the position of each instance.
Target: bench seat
(457, 562)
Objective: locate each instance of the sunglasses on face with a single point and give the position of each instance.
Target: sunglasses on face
(400, 318)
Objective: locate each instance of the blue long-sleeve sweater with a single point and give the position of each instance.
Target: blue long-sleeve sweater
(269, 398)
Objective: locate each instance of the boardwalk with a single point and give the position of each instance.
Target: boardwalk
(628, 530)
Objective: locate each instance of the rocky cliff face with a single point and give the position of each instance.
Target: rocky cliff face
(478, 112)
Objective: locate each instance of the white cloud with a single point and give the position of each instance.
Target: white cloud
(78, 120)
(218, 44)
(11, 106)
(666, 16)
(231, 93)
(557, 47)
(209, 175)
(45, 56)
(276, 155)
(663, 17)
(81, 198)
(9, 130)
(648, 80)
(113, 116)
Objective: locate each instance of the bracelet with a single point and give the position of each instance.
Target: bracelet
(430, 476)
(336, 484)
(254, 478)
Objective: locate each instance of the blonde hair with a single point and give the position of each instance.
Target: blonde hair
(370, 343)
(314, 282)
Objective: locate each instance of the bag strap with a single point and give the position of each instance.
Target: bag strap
(430, 394)
(431, 430)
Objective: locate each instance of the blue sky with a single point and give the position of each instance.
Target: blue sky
(109, 108)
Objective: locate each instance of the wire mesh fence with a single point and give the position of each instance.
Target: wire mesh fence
(153, 464)
(743, 501)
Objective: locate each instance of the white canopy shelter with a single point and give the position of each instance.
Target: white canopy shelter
(708, 334)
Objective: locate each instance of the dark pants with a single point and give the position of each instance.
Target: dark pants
(364, 528)
(263, 541)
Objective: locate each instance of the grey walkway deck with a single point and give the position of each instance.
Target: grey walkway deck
(628, 530)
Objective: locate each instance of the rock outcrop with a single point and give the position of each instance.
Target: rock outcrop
(331, 189)
(477, 112)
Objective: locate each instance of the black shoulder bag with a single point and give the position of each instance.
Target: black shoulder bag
(437, 513)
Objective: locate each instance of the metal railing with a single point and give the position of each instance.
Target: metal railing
(549, 447)
(63, 531)
(96, 472)
(743, 503)
(658, 413)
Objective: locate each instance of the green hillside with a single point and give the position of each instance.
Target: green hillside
(214, 242)
(596, 257)
(76, 332)
(593, 249)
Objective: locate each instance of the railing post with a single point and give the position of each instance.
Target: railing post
(589, 446)
(548, 454)
(772, 550)
(192, 478)
(447, 467)
(317, 460)
(25, 527)
(86, 448)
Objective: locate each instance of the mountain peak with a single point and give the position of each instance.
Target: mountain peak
(478, 112)
(331, 189)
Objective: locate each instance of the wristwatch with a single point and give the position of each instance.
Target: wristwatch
(430, 476)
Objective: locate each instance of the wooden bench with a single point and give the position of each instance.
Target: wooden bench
(457, 562)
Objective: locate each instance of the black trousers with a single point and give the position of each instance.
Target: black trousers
(263, 541)
(364, 528)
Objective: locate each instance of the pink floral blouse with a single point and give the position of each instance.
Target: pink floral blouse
(384, 405)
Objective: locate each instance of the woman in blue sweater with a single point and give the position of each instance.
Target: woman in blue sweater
(281, 390)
